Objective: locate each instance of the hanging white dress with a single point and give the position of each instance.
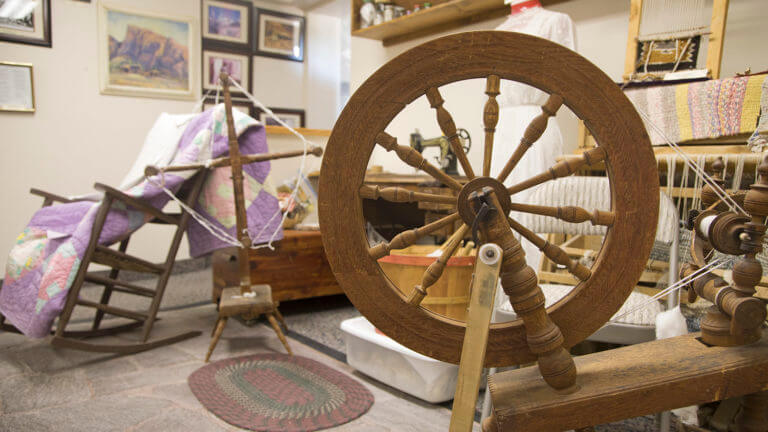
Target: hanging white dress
(520, 103)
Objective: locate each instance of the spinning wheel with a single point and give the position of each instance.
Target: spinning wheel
(570, 80)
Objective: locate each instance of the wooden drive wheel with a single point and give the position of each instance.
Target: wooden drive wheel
(569, 79)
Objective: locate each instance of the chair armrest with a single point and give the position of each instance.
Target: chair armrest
(49, 198)
(136, 203)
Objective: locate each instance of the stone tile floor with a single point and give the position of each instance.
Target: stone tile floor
(45, 388)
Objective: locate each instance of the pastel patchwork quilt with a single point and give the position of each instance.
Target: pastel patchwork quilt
(47, 255)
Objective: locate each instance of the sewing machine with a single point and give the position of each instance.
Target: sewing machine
(447, 159)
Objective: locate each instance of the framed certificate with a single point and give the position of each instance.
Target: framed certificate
(17, 89)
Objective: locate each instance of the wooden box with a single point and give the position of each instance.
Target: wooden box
(296, 269)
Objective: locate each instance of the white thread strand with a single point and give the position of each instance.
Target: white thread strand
(674, 287)
(733, 205)
(216, 231)
(302, 164)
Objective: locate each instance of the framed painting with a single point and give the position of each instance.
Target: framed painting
(17, 87)
(279, 35)
(242, 105)
(236, 65)
(292, 117)
(227, 21)
(26, 21)
(145, 54)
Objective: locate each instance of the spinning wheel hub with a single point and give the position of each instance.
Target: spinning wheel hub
(476, 185)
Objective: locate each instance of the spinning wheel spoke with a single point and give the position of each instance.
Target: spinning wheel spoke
(415, 159)
(490, 119)
(407, 238)
(447, 125)
(435, 270)
(400, 194)
(561, 169)
(568, 213)
(532, 134)
(552, 251)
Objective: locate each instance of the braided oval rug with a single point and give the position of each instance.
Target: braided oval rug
(278, 392)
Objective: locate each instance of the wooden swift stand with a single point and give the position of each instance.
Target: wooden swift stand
(246, 299)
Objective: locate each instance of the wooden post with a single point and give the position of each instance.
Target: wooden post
(237, 185)
(635, 16)
(717, 37)
(483, 291)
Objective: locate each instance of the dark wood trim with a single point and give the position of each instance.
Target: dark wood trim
(302, 35)
(46, 41)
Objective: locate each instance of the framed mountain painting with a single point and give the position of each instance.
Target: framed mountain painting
(145, 54)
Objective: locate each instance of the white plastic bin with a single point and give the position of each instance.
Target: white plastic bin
(380, 357)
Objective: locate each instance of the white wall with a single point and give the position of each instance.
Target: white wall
(601, 34)
(312, 84)
(78, 136)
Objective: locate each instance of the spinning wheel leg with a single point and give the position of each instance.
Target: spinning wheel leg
(520, 283)
(280, 335)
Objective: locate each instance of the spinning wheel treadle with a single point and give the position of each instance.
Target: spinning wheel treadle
(570, 80)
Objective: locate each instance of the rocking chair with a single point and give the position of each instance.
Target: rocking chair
(118, 260)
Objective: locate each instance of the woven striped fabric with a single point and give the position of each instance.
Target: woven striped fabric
(705, 109)
(278, 392)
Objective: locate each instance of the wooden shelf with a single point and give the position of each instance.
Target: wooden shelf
(279, 130)
(443, 16)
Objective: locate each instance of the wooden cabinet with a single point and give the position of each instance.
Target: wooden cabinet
(296, 269)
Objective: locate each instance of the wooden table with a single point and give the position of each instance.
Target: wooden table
(296, 269)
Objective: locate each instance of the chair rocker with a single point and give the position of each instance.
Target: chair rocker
(118, 260)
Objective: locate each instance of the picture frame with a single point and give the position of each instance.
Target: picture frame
(227, 22)
(278, 35)
(17, 87)
(238, 64)
(28, 22)
(293, 117)
(243, 105)
(147, 54)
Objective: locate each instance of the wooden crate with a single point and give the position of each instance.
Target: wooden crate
(296, 269)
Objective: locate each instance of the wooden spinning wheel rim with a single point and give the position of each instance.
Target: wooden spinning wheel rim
(587, 91)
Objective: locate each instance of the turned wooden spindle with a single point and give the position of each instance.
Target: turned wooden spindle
(151, 170)
(571, 214)
(520, 283)
(490, 120)
(241, 221)
(413, 158)
(435, 270)
(552, 251)
(562, 169)
(708, 195)
(401, 194)
(448, 127)
(753, 415)
(532, 134)
(407, 238)
(737, 319)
